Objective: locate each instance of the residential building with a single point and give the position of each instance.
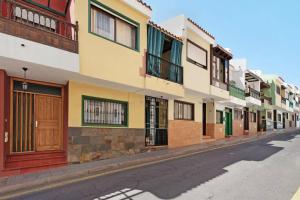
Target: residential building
(69, 107)
(234, 124)
(278, 93)
(253, 103)
(206, 74)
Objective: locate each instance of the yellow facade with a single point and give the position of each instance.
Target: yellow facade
(105, 59)
(136, 103)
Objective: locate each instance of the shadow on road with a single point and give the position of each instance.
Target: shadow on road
(169, 179)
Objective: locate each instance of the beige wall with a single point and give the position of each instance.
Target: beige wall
(195, 77)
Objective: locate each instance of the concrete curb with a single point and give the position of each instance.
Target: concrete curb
(12, 190)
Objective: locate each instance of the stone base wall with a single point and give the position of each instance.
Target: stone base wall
(216, 131)
(86, 144)
(184, 133)
(238, 128)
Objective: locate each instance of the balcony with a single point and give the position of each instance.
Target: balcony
(266, 102)
(164, 69)
(253, 93)
(219, 84)
(283, 100)
(253, 97)
(20, 20)
(236, 92)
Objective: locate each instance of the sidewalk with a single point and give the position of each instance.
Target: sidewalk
(77, 172)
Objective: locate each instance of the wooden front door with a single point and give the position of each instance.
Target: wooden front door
(48, 123)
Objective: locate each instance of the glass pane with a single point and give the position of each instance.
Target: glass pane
(126, 33)
(102, 24)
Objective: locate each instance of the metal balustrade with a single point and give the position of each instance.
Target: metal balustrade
(161, 68)
(253, 93)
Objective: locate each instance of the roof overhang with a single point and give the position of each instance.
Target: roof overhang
(190, 24)
(221, 52)
(264, 84)
(140, 6)
(283, 86)
(251, 77)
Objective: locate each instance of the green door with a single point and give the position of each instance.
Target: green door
(228, 123)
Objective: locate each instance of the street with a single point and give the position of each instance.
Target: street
(268, 169)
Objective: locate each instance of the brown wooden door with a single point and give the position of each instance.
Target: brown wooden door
(48, 123)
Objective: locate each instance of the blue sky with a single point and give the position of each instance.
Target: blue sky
(265, 32)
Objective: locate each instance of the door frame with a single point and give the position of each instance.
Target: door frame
(156, 130)
(228, 122)
(204, 106)
(64, 98)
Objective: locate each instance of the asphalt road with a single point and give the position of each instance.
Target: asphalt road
(268, 169)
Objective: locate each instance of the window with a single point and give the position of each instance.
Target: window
(279, 117)
(278, 89)
(98, 111)
(196, 55)
(183, 111)
(269, 115)
(253, 117)
(238, 114)
(220, 69)
(113, 28)
(219, 117)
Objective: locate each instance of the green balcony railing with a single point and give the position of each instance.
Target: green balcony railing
(291, 104)
(236, 92)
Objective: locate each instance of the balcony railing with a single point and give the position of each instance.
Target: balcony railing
(291, 104)
(164, 69)
(253, 93)
(266, 100)
(236, 92)
(283, 100)
(24, 21)
(218, 83)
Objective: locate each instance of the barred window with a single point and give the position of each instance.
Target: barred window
(183, 111)
(98, 111)
(219, 117)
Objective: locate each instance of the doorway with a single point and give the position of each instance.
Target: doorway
(37, 118)
(204, 118)
(275, 119)
(228, 122)
(259, 121)
(283, 120)
(246, 119)
(156, 121)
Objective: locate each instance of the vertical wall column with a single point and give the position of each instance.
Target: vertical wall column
(2, 117)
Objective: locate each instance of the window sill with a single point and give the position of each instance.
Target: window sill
(137, 50)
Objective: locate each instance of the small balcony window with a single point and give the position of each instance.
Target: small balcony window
(164, 56)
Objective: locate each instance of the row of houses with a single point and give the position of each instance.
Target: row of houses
(95, 79)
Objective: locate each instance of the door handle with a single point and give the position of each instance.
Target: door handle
(36, 124)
